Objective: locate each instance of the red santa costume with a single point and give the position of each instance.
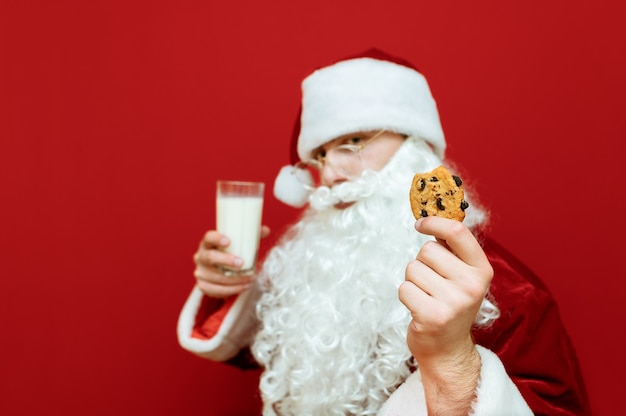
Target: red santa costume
(324, 319)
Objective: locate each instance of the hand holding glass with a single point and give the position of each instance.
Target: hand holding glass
(239, 209)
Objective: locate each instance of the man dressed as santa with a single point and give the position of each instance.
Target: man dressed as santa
(361, 310)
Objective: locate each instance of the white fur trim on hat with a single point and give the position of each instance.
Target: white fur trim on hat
(365, 94)
(289, 189)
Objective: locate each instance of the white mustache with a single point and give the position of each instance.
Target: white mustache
(325, 197)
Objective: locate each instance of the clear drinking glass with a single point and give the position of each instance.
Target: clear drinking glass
(239, 211)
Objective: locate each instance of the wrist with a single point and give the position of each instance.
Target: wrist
(460, 360)
(450, 382)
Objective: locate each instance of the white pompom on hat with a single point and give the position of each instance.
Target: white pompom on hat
(372, 91)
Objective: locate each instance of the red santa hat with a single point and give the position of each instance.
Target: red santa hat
(371, 91)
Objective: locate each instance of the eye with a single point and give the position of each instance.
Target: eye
(320, 155)
(354, 140)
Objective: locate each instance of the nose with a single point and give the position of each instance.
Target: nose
(330, 175)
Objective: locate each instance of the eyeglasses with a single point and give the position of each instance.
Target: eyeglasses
(344, 159)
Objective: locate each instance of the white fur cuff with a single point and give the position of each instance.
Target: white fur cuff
(496, 394)
(235, 332)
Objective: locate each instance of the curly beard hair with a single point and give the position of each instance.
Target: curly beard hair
(333, 333)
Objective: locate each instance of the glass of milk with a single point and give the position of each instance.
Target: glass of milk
(239, 208)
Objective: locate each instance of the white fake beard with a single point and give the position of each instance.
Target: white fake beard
(333, 336)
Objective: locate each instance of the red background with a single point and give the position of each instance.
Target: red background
(117, 118)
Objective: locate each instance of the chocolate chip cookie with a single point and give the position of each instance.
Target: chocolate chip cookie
(438, 193)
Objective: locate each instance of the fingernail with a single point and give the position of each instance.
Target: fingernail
(418, 223)
(238, 262)
(224, 241)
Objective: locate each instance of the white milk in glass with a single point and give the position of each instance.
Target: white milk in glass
(239, 218)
